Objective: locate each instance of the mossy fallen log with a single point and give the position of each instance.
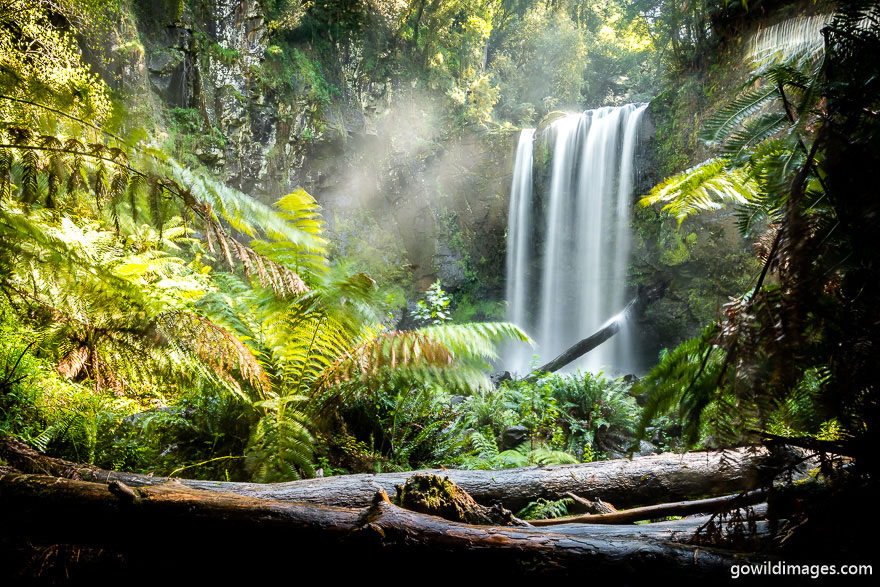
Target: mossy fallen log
(625, 483)
(433, 495)
(175, 532)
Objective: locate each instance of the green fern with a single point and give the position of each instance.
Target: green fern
(524, 455)
(281, 448)
(704, 187)
(544, 509)
(685, 378)
(719, 126)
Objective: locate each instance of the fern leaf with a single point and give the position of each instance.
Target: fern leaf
(704, 187)
(721, 124)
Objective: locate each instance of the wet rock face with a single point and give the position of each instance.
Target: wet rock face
(376, 150)
(513, 436)
(240, 110)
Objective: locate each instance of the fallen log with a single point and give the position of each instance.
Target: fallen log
(661, 510)
(172, 530)
(435, 496)
(623, 482)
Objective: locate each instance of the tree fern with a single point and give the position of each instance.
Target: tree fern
(205, 201)
(737, 112)
(135, 304)
(704, 187)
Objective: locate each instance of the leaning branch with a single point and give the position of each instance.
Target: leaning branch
(609, 329)
(661, 510)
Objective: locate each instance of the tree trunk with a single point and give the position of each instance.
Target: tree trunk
(622, 482)
(173, 531)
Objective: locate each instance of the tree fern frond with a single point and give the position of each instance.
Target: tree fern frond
(214, 345)
(704, 187)
(740, 142)
(300, 208)
(687, 368)
(244, 213)
(796, 40)
(281, 448)
(426, 353)
(30, 169)
(722, 123)
(475, 340)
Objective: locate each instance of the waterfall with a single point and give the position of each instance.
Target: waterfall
(568, 248)
(518, 244)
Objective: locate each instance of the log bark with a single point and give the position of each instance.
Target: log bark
(182, 533)
(623, 482)
(661, 510)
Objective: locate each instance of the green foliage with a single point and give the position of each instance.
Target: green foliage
(567, 56)
(111, 252)
(40, 61)
(222, 54)
(489, 411)
(469, 308)
(544, 509)
(702, 261)
(589, 404)
(409, 425)
(702, 188)
(525, 455)
(685, 378)
(563, 416)
(289, 69)
(281, 446)
(434, 309)
(774, 361)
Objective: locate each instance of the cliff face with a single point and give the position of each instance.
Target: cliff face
(398, 187)
(265, 119)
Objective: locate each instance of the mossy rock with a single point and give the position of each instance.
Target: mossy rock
(430, 494)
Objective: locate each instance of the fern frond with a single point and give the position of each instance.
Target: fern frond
(797, 40)
(740, 142)
(704, 187)
(427, 354)
(722, 123)
(214, 345)
(682, 375)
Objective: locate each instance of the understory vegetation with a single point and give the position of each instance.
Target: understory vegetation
(155, 318)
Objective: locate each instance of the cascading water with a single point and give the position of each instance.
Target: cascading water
(567, 251)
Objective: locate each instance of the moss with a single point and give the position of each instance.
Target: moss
(430, 494)
(703, 263)
(223, 55)
(288, 70)
(677, 250)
